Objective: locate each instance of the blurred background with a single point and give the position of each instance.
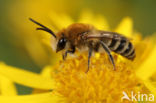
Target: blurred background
(21, 48)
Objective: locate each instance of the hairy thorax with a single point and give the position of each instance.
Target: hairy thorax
(74, 32)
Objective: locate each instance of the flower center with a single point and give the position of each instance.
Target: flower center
(100, 84)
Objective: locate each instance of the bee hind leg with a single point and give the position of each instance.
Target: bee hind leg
(89, 56)
(108, 52)
(68, 51)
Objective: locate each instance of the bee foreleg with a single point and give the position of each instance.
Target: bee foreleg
(68, 51)
(89, 56)
(108, 52)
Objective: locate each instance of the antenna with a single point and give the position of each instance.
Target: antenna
(44, 28)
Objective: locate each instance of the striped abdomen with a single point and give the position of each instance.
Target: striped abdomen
(116, 43)
(123, 47)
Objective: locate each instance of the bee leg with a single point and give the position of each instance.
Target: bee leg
(68, 51)
(89, 56)
(108, 52)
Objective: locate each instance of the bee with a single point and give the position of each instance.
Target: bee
(79, 36)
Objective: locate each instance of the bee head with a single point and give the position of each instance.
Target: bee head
(61, 44)
(61, 41)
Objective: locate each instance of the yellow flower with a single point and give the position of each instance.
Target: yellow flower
(67, 81)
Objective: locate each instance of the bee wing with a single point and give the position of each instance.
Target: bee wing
(108, 35)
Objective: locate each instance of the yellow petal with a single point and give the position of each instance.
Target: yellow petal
(48, 97)
(150, 86)
(7, 87)
(26, 78)
(60, 21)
(86, 17)
(143, 50)
(46, 72)
(125, 27)
(98, 21)
(40, 57)
(154, 83)
(148, 68)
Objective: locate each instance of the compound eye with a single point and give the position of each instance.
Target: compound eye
(61, 44)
